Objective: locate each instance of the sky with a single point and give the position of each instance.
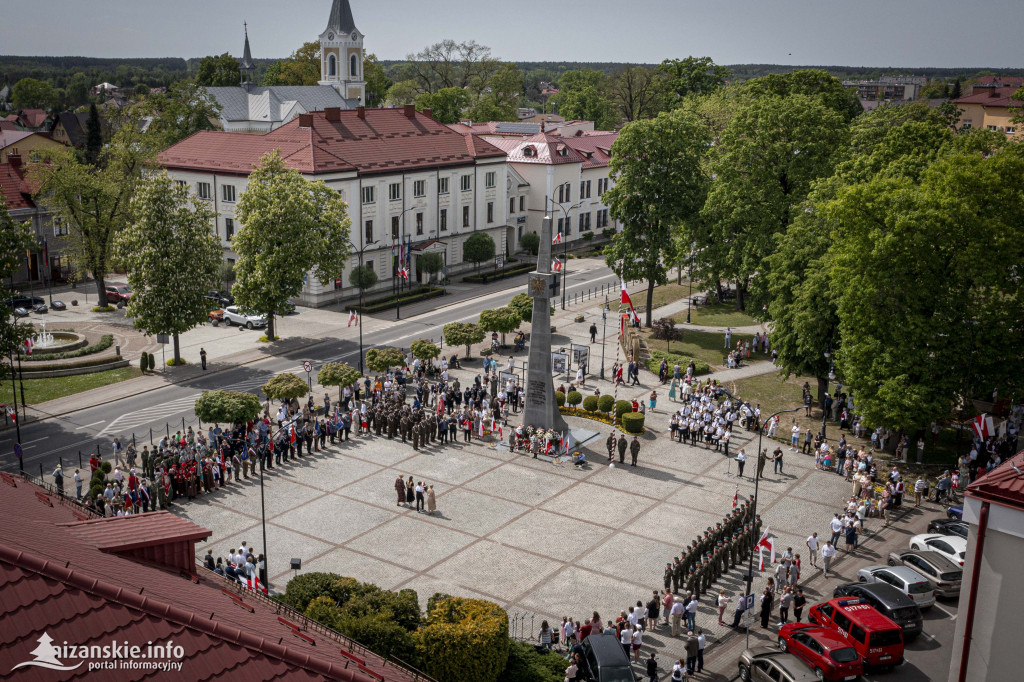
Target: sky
(878, 33)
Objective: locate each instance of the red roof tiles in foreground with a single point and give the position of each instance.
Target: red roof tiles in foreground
(381, 141)
(1003, 484)
(14, 191)
(55, 583)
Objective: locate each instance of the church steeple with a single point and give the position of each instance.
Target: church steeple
(341, 53)
(341, 20)
(246, 66)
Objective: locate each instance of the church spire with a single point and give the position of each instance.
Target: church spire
(341, 20)
(246, 66)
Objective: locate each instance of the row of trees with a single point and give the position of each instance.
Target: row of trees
(883, 245)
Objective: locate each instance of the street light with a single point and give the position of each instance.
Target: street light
(604, 331)
(689, 295)
(757, 487)
(361, 290)
(831, 377)
(565, 241)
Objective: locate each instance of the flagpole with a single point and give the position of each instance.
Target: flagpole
(17, 424)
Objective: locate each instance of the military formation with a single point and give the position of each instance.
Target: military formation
(721, 548)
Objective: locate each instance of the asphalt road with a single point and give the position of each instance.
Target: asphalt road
(65, 436)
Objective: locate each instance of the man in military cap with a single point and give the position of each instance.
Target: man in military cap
(692, 580)
(671, 581)
(610, 444)
(634, 450)
(622, 449)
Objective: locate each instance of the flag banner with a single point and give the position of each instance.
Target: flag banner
(557, 239)
(735, 498)
(626, 300)
(983, 426)
(28, 346)
(556, 265)
(353, 317)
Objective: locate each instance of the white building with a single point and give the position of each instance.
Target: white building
(407, 180)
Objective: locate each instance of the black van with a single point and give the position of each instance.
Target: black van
(890, 602)
(605, 660)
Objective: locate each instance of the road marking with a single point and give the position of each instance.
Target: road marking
(35, 441)
(85, 426)
(951, 615)
(925, 634)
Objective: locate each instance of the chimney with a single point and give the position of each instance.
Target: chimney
(410, 111)
(305, 120)
(14, 160)
(994, 92)
(333, 113)
(361, 113)
(429, 113)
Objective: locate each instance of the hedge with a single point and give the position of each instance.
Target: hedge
(465, 640)
(87, 362)
(559, 398)
(633, 423)
(590, 403)
(622, 407)
(105, 342)
(654, 364)
(574, 398)
(485, 277)
(606, 403)
(525, 664)
(391, 301)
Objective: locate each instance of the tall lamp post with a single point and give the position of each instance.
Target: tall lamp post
(401, 241)
(689, 295)
(17, 424)
(831, 377)
(604, 331)
(757, 486)
(565, 241)
(361, 290)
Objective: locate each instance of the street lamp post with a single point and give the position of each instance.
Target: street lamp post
(831, 377)
(565, 242)
(604, 332)
(757, 487)
(17, 424)
(689, 295)
(361, 290)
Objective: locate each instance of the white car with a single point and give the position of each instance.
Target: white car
(903, 578)
(952, 547)
(234, 315)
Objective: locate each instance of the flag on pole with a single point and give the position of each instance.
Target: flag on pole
(983, 426)
(764, 543)
(12, 413)
(626, 300)
(28, 346)
(557, 239)
(735, 498)
(556, 265)
(46, 251)
(291, 433)
(404, 273)
(408, 254)
(353, 317)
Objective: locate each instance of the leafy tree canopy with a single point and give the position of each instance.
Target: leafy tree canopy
(463, 334)
(228, 407)
(29, 93)
(218, 71)
(424, 349)
(479, 248)
(285, 387)
(337, 374)
(383, 359)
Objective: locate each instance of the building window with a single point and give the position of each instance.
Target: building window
(203, 190)
(564, 193)
(568, 225)
(394, 228)
(419, 224)
(522, 204)
(60, 228)
(489, 180)
(395, 191)
(180, 183)
(368, 195)
(369, 264)
(512, 205)
(332, 66)
(585, 222)
(1010, 130)
(602, 218)
(602, 186)
(228, 192)
(490, 212)
(465, 216)
(561, 226)
(229, 228)
(443, 219)
(966, 125)
(368, 231)
(353, 66)
(467, 183)
(442, 185)
(419, 188)
(585, 189)
(34, 155)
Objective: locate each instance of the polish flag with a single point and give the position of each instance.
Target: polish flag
(735, 498)
(253, 584)
(984, 426)
(404, 273)
(12, 413)
(28, 346)
(557, 239)
(352, 317)
(291, 433)
(626, 300)
(556, 265)
(765, 543)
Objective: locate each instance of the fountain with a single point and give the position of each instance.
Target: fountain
(45, 339)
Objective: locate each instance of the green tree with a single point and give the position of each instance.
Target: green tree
(500, 96)
(522, 303)
(218, 71)
(291, 227)
(479, 248)
(363, 277)
(93, 135)
(226, 274)
(446, 104)
(581, 97)
(424, 349)
(659, 184)
(430, 263)
(530, 242)
(502, 320)
(93, 201)
(957, 91)
(78, 90)
(285, 386)
(338, 374)
(377, 81)
(171, 256)
(449, 64)
(690, 76)
(634, 92)
(402, 93)
(186, 109)
(228, 407)
(15, 238)
(302, 68)
(30, 93)
(463, 334)
(814, 83)
(381, 360)
(465, 640)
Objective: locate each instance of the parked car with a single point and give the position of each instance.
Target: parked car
(950, 546)
(605, 660)
(764, 664)
(220, 298)
(949, 527)
(890, 602)
(877, 639)
(234, 315)
(829, 655)
(23, 301)
(944, 575)
(903, 578)
(118, 293)
(955, 511)
(216, 316)
(20, 312)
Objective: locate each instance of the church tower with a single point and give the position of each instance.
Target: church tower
(341, 54)
(246, 66)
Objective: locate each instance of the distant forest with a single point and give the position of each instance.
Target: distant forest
(157, 72)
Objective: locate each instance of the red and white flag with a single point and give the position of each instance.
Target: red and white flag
(13, 414)
(291, 433)
(353, 317)
(626, 300)
(28, 346)
(984, 426)
(557, 239)
(735, 498)
(764, 543)
(253, 584)
(556, 265)
(404, 273)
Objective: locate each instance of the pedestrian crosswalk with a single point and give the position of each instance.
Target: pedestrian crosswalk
(130, 420)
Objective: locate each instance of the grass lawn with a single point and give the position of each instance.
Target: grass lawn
(41, 390)
(663, 295)
(774, 393)
(706, 346)
(717, 315)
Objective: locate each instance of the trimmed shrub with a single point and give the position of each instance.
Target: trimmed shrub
(530, 242)
(465, 640)
(436, 598)
(559, 398)
(103, 309)
(525, 664)
(574, 398)
(106, 467)
(622, 407)
(606, 403)
(143, 362)
(303, 589)
(590, 403)
(171, 362)
(700, 367)
(633, 423)
(152, 362)
(96, 490)
(379, 633)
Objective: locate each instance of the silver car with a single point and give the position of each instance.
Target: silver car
(903, 578)
(944, 575)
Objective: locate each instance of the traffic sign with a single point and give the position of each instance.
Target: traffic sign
(17, 450)
(748, 602)
(307, 365)
(499, 261)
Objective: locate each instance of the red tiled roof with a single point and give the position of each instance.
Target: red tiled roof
(385, 140)
(595, 148)
(1002, 80)
(13, 189)
(54, 579)
(138, 530)
(983, 96)
(1003, 484)
(33, 117)
(7, 125)
(547, 149)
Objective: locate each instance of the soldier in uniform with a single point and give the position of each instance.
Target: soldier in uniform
(670, 577)
(404, 426)
(634, 450)
(610, 443)
(692, 580)
(679, 574)
(622, 449)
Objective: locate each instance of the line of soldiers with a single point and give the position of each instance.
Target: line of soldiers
(721, 548)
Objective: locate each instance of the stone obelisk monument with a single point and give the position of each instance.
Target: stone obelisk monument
(541, 408)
